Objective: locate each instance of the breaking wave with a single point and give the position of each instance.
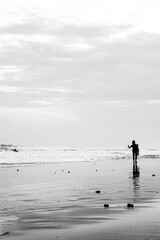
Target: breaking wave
(17, 155)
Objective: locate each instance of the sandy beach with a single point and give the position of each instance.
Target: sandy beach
(59, 201)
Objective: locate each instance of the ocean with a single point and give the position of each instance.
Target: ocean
(44, 155)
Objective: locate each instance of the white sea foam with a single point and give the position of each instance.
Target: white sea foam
(39, 155)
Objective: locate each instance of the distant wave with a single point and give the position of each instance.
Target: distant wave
(152, 156)
(7, 146)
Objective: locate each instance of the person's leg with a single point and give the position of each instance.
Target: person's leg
(137, 162)
(134, 162)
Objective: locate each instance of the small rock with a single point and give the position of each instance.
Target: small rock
(153, 175)
(106, 205)
(130, 205)
(17, 170)
(97, 191)
(68, 171)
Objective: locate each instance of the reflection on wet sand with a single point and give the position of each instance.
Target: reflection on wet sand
(136, 184)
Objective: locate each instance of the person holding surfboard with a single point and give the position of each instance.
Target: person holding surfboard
(135, 152)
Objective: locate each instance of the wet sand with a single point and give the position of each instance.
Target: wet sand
(59, 201)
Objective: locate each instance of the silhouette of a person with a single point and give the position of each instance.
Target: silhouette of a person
(135, 152)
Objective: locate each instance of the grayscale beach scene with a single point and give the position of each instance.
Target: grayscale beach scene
(79, 120)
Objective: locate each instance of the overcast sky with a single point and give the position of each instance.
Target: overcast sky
(80, 72)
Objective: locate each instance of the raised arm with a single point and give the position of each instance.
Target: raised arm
(129, 146)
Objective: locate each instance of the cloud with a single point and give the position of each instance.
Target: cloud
(11, 72)
(9, 89)
(109, 71)
(88, 63)
(153, 101)
(77, 62)
(115, 103)
(59, 89)
(58, 36)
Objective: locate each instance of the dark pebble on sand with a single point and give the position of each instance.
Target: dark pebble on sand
(97, 191)
(130, 205)
(106, 205)
(153, 175)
